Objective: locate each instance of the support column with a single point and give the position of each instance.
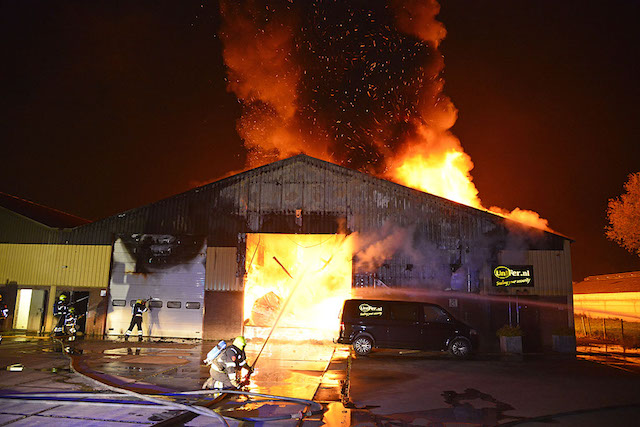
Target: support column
(48, 323)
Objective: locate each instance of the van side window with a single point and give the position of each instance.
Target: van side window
(404, 312)
(435, 314)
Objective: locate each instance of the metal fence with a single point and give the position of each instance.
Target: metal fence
(608, 329)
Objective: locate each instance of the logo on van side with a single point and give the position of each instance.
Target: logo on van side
(369, 310)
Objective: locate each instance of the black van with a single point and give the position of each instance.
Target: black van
(366, 324)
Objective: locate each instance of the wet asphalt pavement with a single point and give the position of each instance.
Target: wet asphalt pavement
(152, 368)
(388, 388)
(428, 389)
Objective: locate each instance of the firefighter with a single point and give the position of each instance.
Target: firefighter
(136, 319)
(4, 313)
(227, 366)
(70, 323)
(60, 310)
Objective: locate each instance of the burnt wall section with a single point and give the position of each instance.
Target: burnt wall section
(449, 245)
(446, 246)
(307, 195)
(223, 312)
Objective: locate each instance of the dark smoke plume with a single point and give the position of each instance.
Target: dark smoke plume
(358, 83)
(349, 82)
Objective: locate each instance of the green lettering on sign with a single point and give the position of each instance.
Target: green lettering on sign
(367, 310)
(512, 276)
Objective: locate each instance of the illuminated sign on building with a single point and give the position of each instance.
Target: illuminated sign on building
(509, 276)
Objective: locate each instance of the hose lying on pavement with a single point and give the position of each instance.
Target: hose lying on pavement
(111, 399)
(63, 398)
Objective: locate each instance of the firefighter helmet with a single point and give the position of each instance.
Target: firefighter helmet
(139, 301)
(62, 297)
(72, 310)
(240, 342)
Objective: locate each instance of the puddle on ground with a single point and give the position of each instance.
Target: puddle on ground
(471, 407)
(124, 351)
(57, 370)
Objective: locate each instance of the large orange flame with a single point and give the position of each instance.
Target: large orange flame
(312, 271)
(444, 175)
(435, 162)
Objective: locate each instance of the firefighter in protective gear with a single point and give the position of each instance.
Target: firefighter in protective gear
(60, 310)
(70, 323)
(225, 368)
(136, 319)
(4, 313)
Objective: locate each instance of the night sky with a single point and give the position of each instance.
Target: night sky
(107, 106)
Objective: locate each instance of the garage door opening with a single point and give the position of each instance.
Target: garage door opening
(313, 270)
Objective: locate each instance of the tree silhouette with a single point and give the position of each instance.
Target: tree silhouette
(623, 214)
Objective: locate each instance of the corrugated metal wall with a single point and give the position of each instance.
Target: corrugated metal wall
(266, 199)
(58, 265)
(551, 270)
(221, 270)
(307, 195)
(616, 305)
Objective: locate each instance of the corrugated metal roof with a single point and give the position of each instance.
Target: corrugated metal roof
(42, 214)
(609, 283)
(266, 199)
(306, 195)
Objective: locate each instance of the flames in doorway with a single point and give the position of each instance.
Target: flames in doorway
(306, 277)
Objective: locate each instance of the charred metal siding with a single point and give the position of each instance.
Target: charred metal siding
(221, 270)
(307, 195)
(327, 196)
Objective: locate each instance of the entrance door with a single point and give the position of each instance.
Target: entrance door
(36, 310)
(29, 309)
(23, 304)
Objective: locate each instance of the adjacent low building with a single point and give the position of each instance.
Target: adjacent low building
(615, 296)
(296, 236)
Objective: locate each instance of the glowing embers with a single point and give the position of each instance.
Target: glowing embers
(307, 277)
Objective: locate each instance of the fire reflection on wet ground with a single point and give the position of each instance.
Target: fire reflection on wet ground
(613, 355)
(289, 369)
(296, 370)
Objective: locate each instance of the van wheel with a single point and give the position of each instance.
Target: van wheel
(460, 347)
(362, 345)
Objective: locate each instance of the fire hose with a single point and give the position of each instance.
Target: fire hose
(311, 407)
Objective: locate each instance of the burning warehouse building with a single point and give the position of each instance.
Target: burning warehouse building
(297, 236)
